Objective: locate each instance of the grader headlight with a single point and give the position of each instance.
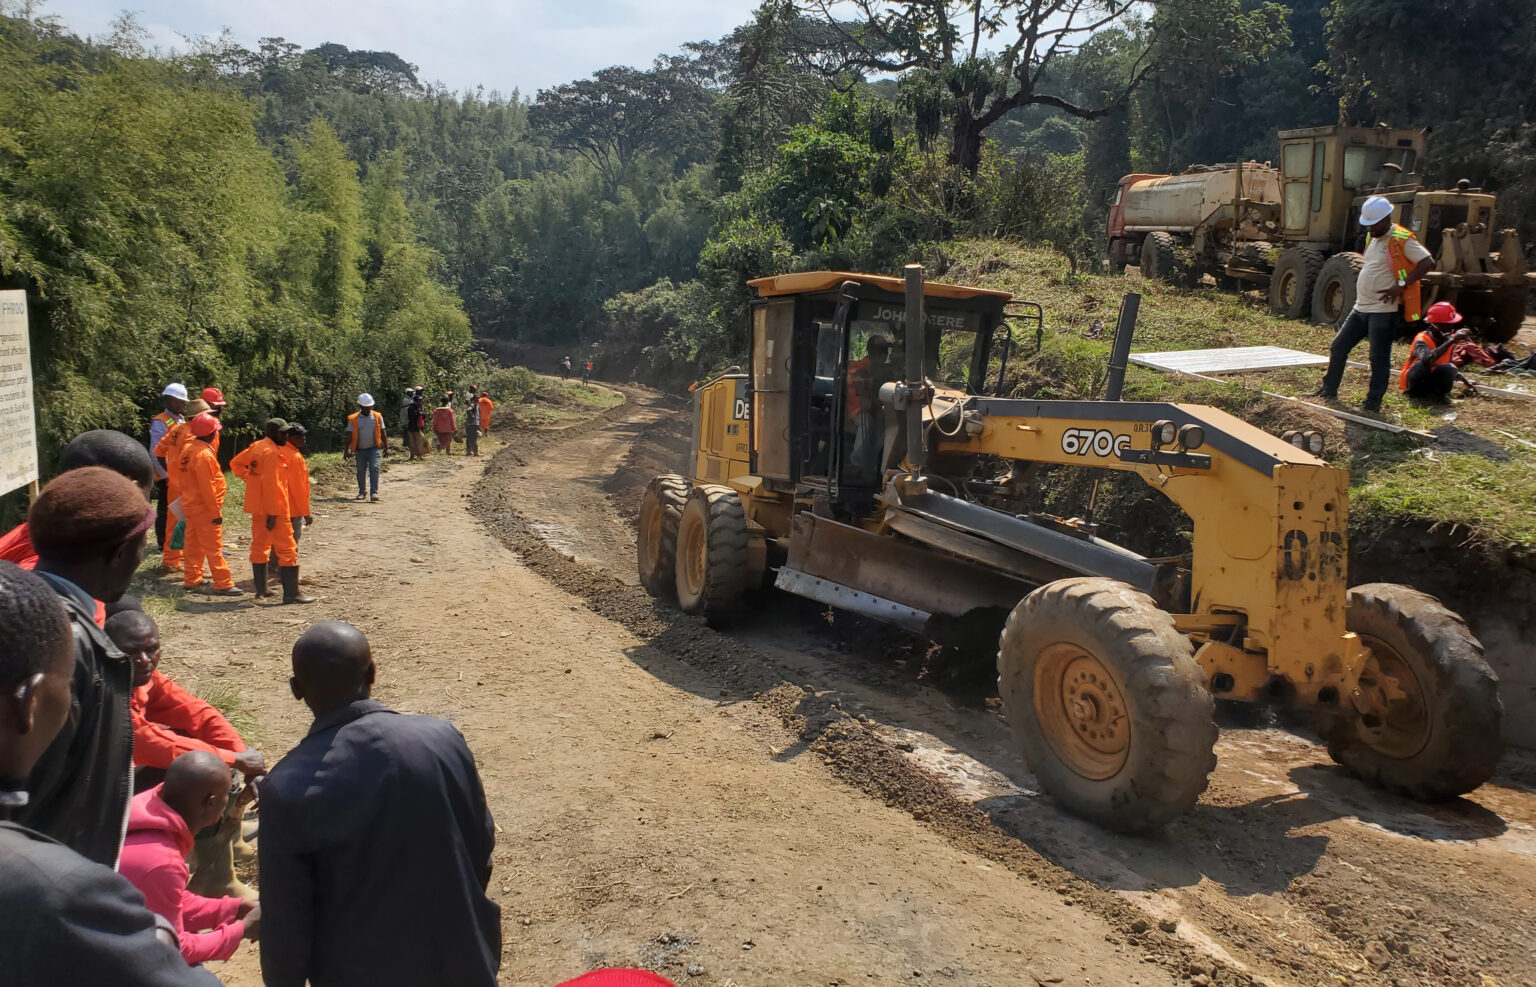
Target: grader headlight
(1191, 437)
(1164, 433)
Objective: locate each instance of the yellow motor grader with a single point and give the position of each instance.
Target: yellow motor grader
(863, 463)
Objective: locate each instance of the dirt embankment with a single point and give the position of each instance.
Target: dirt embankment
(1288, 872)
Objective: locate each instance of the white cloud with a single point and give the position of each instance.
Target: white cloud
(514, 44)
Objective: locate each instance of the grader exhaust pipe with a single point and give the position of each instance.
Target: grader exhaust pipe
(916, 384)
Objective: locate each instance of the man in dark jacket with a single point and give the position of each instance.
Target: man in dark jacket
(376, 840)
(63, 919)
(88, 527)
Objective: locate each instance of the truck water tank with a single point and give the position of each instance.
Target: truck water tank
(1179, 203)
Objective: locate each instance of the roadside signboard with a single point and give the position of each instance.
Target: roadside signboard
(18, 415)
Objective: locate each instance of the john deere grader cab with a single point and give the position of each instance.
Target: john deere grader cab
(863, 463)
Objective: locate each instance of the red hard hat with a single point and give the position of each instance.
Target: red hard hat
(619, 978)
(214, 396)
(205, 424)
(1443, 313)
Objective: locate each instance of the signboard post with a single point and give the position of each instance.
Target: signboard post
(18, 414)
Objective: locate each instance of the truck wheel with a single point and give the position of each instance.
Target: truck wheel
(1158, 261)
(656, 547)
(711, 553)
(1333, 297)
(1107, 702)
(1508, 314)
(1117, 259)
(1439, 736)
(1290, 286)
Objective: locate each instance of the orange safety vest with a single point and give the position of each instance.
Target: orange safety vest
(1412, 305)
(1429, 340)
(378, 430)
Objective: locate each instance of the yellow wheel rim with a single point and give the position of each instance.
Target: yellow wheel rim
(691, 562)
(1082, 712)
(1403, 729)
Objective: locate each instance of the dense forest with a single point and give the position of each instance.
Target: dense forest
(299, 225)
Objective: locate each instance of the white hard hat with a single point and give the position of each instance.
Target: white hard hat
(1375, 210)
(178, 391)
(365, 400)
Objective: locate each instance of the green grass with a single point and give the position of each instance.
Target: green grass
(229, 699)
(555, 402)
(1481, 481)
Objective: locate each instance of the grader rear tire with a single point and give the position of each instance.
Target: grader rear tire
(1107, 702)
(656, 547)
(1440, 736)
(1333, 295)
(712, 572)
(1290, 286)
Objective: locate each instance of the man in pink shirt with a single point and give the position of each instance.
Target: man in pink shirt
(161, 824)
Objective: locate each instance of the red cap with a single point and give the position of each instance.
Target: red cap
(205, 424)
(214, 396)
(1443, 313)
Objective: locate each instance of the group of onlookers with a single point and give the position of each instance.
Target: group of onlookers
(442, 421)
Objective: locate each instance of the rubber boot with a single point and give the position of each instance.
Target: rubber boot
(259, 578)
(290, 577)
(213, 858)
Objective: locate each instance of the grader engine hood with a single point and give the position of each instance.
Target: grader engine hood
(1270, 519)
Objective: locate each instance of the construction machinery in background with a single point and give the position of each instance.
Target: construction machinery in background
(866, 462)
(1294, 229)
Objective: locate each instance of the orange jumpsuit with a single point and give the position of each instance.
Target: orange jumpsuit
(202, 497)
(485, 413)
(266, 495)
(298, 486)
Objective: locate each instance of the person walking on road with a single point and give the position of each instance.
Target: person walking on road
(174, 397)
(586, 372)
(405, 412)
(202, 498)
(486, 405)
(1387, 292)
(416, 429)
(377, 820)
(367, 441)
(444, 424)
(472, 423)
(565, 368)
(69, 920)
(89, 527)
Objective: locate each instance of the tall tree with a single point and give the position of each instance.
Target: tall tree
(971, 62)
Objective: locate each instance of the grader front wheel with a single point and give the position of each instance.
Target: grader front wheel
(1107, 702)
(1425, 721)
(661, 510)
(712, 568)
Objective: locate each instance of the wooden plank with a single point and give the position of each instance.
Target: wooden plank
(1228, 360)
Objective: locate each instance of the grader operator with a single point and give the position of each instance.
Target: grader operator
(863, 463)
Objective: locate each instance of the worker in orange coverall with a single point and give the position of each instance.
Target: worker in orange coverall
(246, 465)
(298, 478)
(170, 448)
(202, 498)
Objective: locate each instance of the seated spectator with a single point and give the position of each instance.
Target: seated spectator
(168, 721)
(160, 827)
(67, 920)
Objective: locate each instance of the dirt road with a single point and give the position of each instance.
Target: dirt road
(1288, 872)
(649, 812)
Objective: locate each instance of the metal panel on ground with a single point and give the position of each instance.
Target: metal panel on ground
(1229, 360)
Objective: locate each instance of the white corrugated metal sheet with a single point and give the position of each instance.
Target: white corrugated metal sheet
(1230, 360)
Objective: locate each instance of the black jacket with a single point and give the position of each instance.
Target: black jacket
(65, 920)
(81, 785)
(375, 853)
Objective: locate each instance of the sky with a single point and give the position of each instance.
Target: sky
(499, 44)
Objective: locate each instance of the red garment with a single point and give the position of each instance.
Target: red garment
(16, 546)
(443, 421)
(154, 860)
(619, 978)
(168, 721)
(1466, 352)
